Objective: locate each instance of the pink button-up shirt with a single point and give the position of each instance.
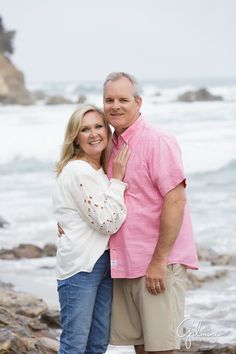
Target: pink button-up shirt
(154, 168)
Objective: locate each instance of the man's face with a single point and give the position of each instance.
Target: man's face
(120, 106)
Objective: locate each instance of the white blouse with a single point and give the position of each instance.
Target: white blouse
(89, 208)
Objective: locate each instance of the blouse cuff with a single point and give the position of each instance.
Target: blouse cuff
(119, 185)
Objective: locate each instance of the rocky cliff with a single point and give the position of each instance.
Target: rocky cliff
(12, 88)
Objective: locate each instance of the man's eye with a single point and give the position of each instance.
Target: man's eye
(108, 100)
(124, 100)
(99, 126)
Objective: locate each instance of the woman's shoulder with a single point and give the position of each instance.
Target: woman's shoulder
(82, 168)
(76, 166)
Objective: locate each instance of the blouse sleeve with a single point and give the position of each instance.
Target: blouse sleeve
(104, 212)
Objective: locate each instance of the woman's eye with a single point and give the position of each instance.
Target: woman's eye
(84, 130)
(99, 126)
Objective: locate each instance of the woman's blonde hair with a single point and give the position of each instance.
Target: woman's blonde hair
(70, 150)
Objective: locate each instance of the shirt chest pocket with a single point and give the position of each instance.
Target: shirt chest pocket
(136, 175)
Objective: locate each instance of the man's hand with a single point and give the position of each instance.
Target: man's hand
(60, 230)
(155, 276)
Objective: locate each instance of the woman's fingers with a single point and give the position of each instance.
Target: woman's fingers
(126, 154)
(123, 154)
(120, 161)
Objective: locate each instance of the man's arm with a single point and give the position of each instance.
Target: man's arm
(170, 224)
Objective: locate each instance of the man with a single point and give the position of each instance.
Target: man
(153, 248)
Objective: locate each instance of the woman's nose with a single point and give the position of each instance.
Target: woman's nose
(93, 132)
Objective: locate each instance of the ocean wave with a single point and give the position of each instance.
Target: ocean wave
(223, 177)
(23, 165)
(229, 169)
(159, 91)
(20, 164)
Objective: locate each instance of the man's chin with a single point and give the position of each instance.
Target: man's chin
(114, 122)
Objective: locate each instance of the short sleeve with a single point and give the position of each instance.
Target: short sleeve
(165, 164)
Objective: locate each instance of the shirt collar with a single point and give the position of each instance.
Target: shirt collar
(129, 132)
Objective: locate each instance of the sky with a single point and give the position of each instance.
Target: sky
(79, 40)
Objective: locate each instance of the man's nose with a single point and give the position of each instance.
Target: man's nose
(116, 104)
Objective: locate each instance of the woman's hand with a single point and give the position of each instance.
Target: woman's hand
(120, 162)
(60, 230)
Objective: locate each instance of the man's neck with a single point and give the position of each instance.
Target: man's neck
(122, 130)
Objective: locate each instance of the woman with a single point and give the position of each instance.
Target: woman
(89, 208)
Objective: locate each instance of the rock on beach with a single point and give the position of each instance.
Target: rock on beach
(25, 323)
(199, 95)
(28, 251)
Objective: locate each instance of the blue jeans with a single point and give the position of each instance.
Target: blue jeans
(85, 301)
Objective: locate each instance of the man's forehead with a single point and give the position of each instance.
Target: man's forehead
(119, 87)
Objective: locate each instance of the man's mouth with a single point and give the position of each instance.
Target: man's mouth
(94, 142)
(116, 114)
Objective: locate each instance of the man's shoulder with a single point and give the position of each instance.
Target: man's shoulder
(156, 134)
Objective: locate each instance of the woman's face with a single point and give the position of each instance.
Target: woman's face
(92, 136)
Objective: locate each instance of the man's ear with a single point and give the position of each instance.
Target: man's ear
(139, 101)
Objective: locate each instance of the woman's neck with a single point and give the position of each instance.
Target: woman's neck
(95, 162)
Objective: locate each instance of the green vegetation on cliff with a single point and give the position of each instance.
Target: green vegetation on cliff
(6, 39)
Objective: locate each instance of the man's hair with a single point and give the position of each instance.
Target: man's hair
(118, 75)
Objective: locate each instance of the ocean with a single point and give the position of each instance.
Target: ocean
(30, 141)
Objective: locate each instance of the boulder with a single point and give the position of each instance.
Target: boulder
(82, 99)
(49, 250)
(199, 95)
(39, 95)
(21, 327)
(195, 279)
(45, 345)
(55, 100)
(209, 255)
(22, 303)
(208, 348)
(12, 87)
(28, 251)
(51, 318)
(3, 222)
